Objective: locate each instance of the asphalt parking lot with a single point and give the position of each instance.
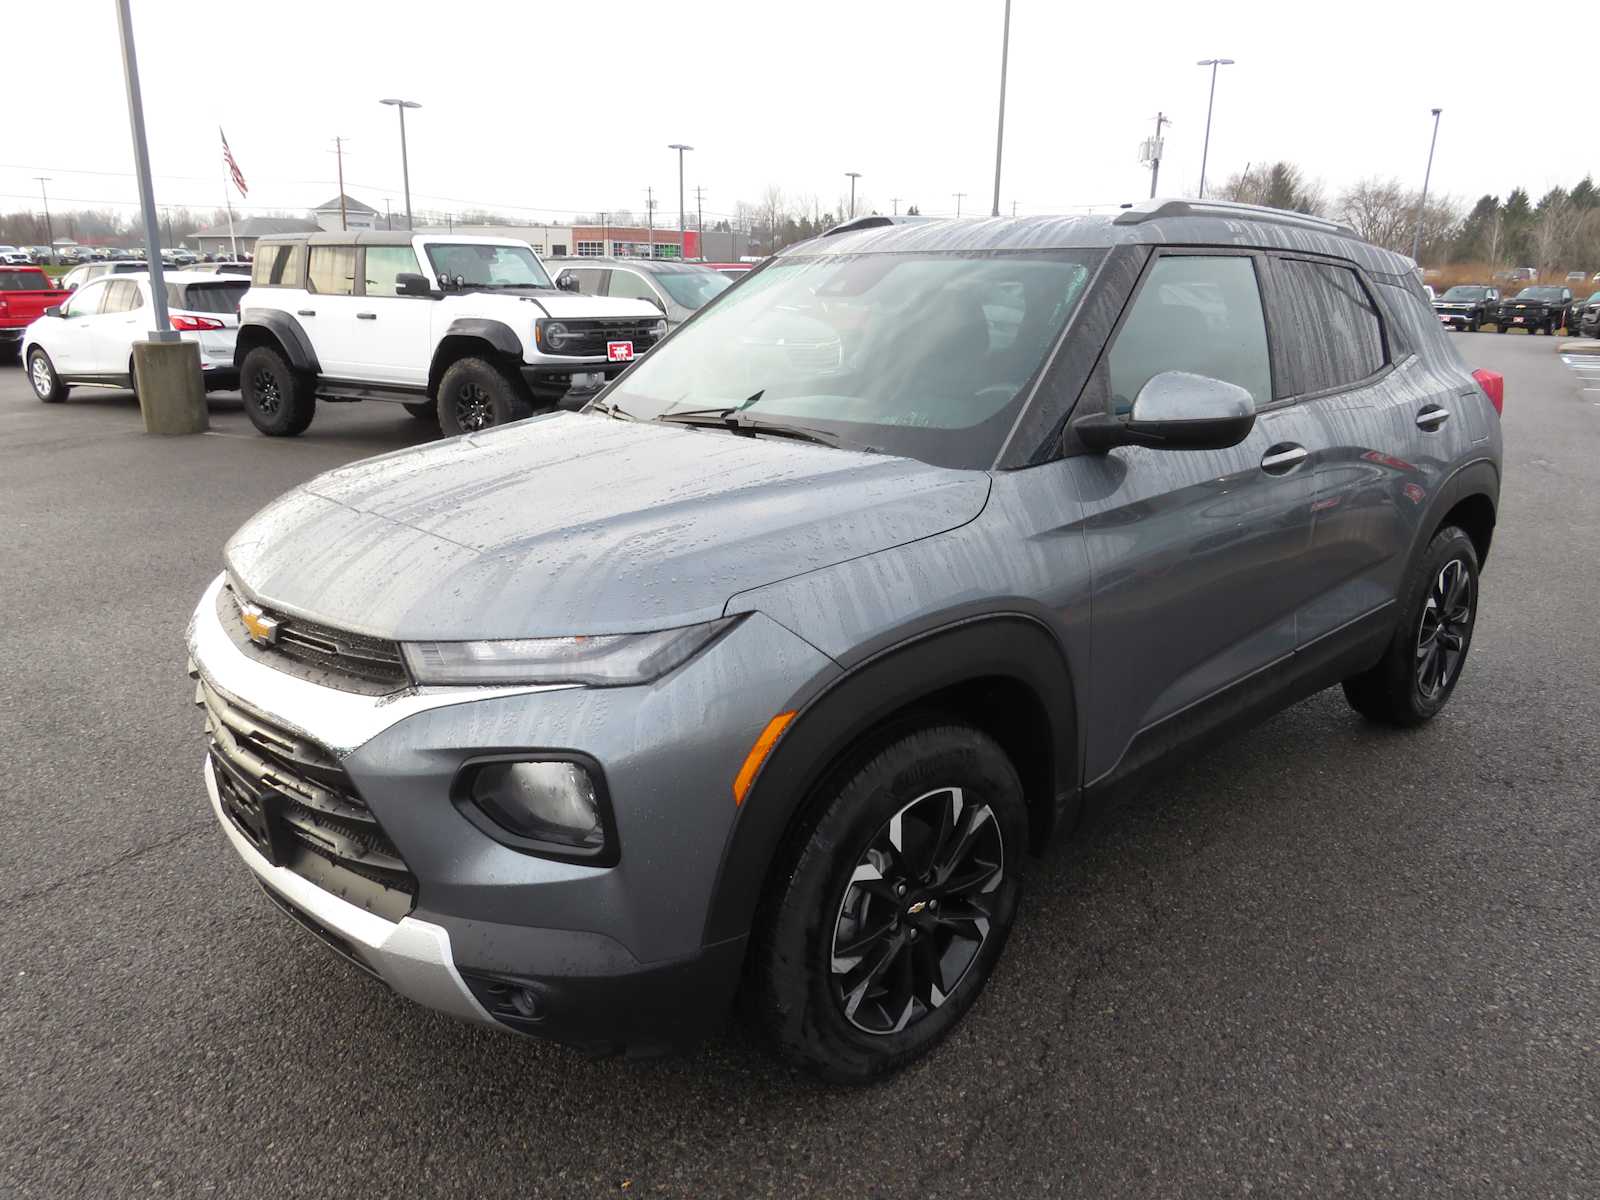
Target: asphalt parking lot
(1322, 959)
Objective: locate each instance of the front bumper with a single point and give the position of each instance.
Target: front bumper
(569, 387)
(1530, 318)
(1459, 320)
(12, 337)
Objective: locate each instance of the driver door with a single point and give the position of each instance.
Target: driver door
(70, 344)
(1194, 553)
(391, 337)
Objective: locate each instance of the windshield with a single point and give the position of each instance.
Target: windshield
(1539, 293)
(1463, 292)
(926, 355)
(693, 289)
(479, 265)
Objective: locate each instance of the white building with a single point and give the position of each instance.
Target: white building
(355, 215)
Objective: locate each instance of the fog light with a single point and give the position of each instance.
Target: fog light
(542, 801)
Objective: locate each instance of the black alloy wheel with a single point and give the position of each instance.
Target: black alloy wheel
(472, 407)
(1444, 628)
(916, 911)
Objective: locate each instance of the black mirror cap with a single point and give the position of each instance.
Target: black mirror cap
(1100, 432)
(567, 281)
(53, 311)
(409, 283)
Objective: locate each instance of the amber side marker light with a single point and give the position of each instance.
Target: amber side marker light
(758, 755)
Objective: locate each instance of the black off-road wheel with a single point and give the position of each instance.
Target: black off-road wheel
(42, 375)
(1418, 672)
(279, 402)
(890, 908)
(475, 395)
(426, 411)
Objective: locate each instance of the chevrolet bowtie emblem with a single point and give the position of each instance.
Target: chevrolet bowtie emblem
(263, 630)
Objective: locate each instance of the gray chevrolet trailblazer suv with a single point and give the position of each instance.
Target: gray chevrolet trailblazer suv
(764, 675)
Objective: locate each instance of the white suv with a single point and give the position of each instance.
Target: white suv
(468, 331)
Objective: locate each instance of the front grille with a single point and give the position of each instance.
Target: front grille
(296, 805)
(589, 337)
(335, 657)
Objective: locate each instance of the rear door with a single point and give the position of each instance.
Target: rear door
(1195, 554)
(1337, 365)
(393, 340)
(329, 315)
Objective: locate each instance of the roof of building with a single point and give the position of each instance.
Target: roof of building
(351, 204)
(260, 227)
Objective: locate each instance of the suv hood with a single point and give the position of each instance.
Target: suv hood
(580, 524)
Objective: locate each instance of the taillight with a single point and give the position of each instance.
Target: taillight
(193, 323)
(1494, 386)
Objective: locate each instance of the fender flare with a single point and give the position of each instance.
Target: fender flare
(1480, 477)
(497, 333)
(1010, 646)
(285, 329)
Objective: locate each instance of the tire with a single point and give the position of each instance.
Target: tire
(1499, 328)
(278, 401)
(133, 380)
(425, 411)
(1418, 672)
(475, 395)
(1472, 325)
(835, 1015)
(42, 375)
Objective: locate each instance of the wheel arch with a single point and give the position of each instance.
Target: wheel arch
(469, 337)
(1005, 674)
(1470, 499)
(278, 330)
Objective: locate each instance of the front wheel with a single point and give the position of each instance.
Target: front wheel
(427, 412)
(278, 402)
(42, 375)
(475, 395)
(1419, 670)
(1472, 325)
(882, 928)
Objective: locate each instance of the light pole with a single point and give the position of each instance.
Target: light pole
(1000, 131)
(49, 230)
(405, 166)
(960, 196)
(163, 331)
(1205, 150)
(680, 148)
(1422, 202)
(854, 175)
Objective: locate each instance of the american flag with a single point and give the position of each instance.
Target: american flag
(233, 167)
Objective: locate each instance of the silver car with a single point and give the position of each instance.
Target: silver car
(768, 672)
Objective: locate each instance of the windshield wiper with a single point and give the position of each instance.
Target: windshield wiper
(611, 410)
(736, 421)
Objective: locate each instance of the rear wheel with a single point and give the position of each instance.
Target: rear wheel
(475, 395)
(278, 402)
(882, 927)
(42, 375)
(1419, 670)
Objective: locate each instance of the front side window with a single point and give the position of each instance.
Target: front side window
(385, 264)
(929, 355)
(332, 271)
(1332, 334)
(693, 289)
(478, 265)
(85, 301)
(588, 280)
(1195, 313)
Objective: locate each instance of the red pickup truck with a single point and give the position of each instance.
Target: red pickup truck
(25, 292)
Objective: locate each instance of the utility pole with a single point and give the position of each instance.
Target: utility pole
(49, 229)
(1155, 152)
(854, 175)
(680, 148)
(605, 234)
(700, 217)
(1013, 208)
(167, 212)
(895, 201)
(338, 150)
(1205, 150)
(1000, 131)
(1422, 201)
(960, 196)
(650, 210)
(388, 217)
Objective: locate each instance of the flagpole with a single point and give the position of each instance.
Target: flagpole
(227, 199)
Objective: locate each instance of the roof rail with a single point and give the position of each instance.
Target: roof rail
(875, 221)
(1155, 210)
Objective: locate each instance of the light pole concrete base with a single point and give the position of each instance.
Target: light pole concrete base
(172, 394)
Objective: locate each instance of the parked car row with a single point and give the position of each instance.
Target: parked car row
(1538, 309)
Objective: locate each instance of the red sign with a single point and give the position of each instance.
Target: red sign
(619, 351)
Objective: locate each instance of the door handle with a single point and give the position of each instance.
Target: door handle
(366, 316)
(1283, 458)
(1432, 417)
(305, 312)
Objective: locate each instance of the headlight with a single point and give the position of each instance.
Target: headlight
(612, 660)
(553, 334)
(659, 329)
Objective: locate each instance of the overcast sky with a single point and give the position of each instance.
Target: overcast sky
(545, 109)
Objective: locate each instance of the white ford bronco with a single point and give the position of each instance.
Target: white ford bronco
(468, 331)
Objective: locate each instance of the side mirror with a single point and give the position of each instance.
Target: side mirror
(53, 311)
(409, 283)
(1175, 411)
(567, 281)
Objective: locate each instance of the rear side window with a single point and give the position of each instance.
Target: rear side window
(219, 297)
(332, 271)
(279, 266)
(627, 285)
(1196, 313)
(122, 295)
(1331, 331)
